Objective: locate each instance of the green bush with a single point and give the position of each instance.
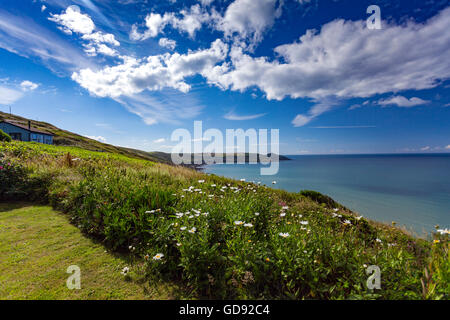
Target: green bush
(320, 198)
(4, 136)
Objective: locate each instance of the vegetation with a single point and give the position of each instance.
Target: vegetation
(37, 245)
(221, 238)
(4, 136)
(67, 138)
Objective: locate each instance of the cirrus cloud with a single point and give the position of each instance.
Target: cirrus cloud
(404, 102)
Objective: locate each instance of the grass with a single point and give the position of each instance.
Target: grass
(67, 138)
(37, 244)
(220, 238)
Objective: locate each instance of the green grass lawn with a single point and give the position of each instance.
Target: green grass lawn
(37, 244)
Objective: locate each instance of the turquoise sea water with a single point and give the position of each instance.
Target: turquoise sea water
(413, 190)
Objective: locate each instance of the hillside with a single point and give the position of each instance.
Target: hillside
(67, 138)
(220, 238)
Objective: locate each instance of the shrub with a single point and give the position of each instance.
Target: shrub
(320, 198)
(4, 136)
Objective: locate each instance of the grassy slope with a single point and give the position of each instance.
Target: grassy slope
(37, 244)
(108, 195)
(67, 138)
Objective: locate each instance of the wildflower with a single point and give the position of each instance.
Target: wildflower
(146, 257)
(183, 228)
(365, 265)
(213, 185)
(437, 241)
(248, 225)
(151, 211)
(242, 180)
(378, 240)
(178, 244)
(359, 218)
(256, 213)
(201, 181)
(284, 235)
(193, 230)
(238, 223)
(347, 222)
(267, 259)
(125, 271)
(158, 256)
(131, 248)
(285, 208)
(1, 168)
(392, 244)
(304, 223)
(282, 214)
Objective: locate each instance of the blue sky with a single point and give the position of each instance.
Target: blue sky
(130, 72)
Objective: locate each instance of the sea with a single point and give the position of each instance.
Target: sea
(411, 189)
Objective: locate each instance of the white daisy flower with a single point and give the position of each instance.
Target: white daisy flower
(125, 271)
(158, 256)
(284, 235)
(238, 223)
(193, 230)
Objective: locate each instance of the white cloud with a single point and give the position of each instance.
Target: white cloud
(371, 62)
(425, 148)
(98, 138)
(232, 116)
(319, 108)
(167, 43)
(168, 106)
(154, 73)
(447, 147)
(28, 85)
(248, 19)
(205, 2)
(402, 101)
(72, 20)
(159, 140)
(9, 96)
(43, 8)
(188, 21)
(100, 37)
(346, 60)
(25, 37)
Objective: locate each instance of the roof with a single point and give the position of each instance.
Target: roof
(26, 128)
